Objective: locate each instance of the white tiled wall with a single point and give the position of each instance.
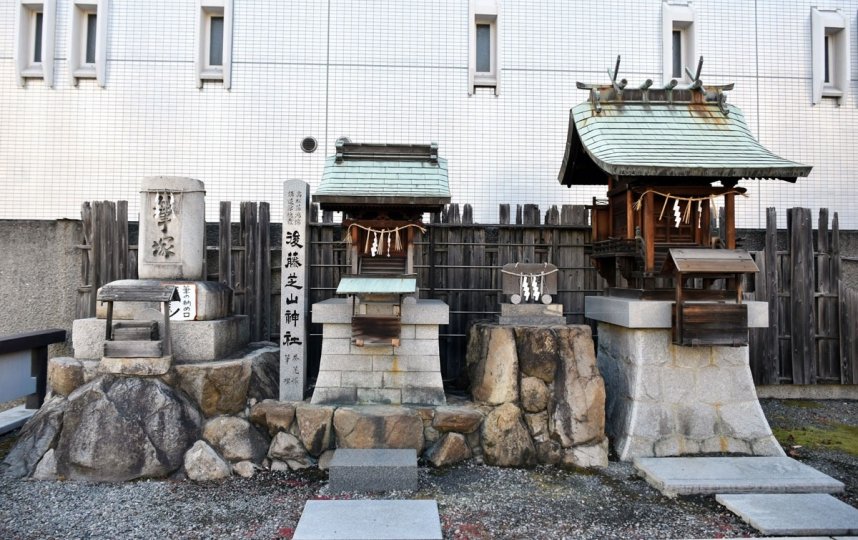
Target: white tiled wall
(396, 71)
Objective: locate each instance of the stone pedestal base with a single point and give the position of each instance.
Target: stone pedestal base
(409, 373)
(192, 341)
(531, 314)
(667, 400)
(140, 367)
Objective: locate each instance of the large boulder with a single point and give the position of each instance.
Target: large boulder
(578, 415)
(493, 364)
(273, 415)
(315, 425)
(451, 448)
(379, 426)
(217, 387)
(505, 439)
(120, 428)
(458, 419)
(537, 350)
(265, 371)
(203, 464)
(47, 467)
(236, 439)
(65, 375)
(37, 436)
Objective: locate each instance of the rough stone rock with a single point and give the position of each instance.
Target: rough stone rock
(549, 452)
(47, 467)
(37, 436)
(537, 351)
(235, 439)
(380, 426)
(534, 395)
(265, 371)
(578, 415)
(245, 469)
(203, 464)
(65, 375)
(493, 364)
(217, 387)
(287, 448)
(451, 448)
(587, 456)
(273, 415)
(121, 428)
(315, 424)
(537, 423)
(325, 460)
(430, 435)
(458, 419)
(279, 466)
(506, 441)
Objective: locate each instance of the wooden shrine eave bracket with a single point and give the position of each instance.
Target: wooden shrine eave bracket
(708, 262)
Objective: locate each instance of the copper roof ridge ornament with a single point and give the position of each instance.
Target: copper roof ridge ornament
(615, 92)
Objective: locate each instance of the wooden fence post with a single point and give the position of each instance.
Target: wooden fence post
(802, 298)
(771, 343)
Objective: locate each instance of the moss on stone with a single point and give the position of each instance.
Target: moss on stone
(835, 436)
(802, 403)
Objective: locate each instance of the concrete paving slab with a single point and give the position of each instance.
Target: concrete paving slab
(793, 513)
(14, 418)
(373, 470)
(710, 475)
(365, 520)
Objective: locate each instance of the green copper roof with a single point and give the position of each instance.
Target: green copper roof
(384, 175)
(641, 139)
(376, 285)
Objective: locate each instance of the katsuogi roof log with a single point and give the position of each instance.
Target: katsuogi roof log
(671, 131)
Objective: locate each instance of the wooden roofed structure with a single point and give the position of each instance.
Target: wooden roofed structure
(668, 155)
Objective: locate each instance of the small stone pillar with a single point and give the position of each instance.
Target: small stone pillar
(670, 400)
(172, 229)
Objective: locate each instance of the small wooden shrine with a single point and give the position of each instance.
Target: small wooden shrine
(670, 157)
(383, 191)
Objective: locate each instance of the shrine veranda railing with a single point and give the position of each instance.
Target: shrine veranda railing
(459, 262)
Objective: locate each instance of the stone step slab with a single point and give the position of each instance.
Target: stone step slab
(373, 470)
(14, 418)
(365, 520)
(791, 514)
(712, 475)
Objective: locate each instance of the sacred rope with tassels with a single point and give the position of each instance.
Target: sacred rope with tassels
(686, 215)
(380, 236)
(528, 283)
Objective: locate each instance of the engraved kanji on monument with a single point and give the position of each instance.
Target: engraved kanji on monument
(172, 228)
(293, 293)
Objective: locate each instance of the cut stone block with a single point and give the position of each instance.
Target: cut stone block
(369, 520)
(711, 475)
(653, 313)
(193, 341)
(213, 301)
(140, 367)
(373, 470)
(14, 418)
(791, 514)
(532, 314)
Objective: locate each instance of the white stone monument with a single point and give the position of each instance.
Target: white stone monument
(293, 293)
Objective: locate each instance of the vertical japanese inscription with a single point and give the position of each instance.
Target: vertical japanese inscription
(293, 293)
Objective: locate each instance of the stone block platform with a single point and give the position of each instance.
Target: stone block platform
(407, 374)
(791, 514)
(369, 520)
(711, 475)
(373, 470)
(193, 341)
(668, 400)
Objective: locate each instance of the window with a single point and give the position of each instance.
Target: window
(214, 31)
(830, 49)
(677, 41)
(88, 41)
(34, 41)
(484, 50)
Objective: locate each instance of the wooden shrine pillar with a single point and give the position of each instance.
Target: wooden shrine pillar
(730, 220)
(649, 231)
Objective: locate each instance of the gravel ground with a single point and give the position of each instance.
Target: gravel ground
(475, 501)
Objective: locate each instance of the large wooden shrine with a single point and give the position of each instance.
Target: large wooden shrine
(670, 157)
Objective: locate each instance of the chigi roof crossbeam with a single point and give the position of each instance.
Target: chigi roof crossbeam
(672, 92)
